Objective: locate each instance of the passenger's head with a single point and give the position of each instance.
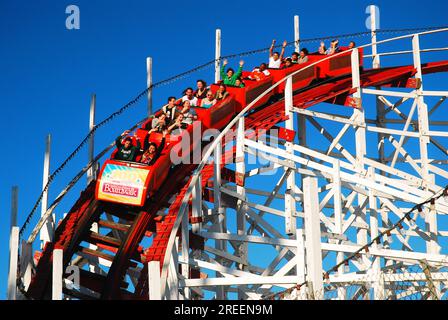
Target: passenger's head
(294, 56)
(288, 62)
(263, 67)
(171, 101)
(210, 95)
(230, 72)
(180, 117)
(351, 45)
(276, 55)
(222, 88)
(186, 104)
(238, 82)
(127, 143)
(161, 117)
(152, 148)
(303, 52)
(201, 84)
(189, 93)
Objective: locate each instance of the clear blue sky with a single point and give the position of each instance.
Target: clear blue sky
(47, 72)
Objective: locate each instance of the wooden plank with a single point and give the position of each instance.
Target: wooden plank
(114, 225)
(96, 238)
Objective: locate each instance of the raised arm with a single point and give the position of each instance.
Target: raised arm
(159, 149)
(271, 49)
(282, 53)
(139, 145)
(146, 142)
(239, 71)
(161, 146)
(118, 140)
(223, 73)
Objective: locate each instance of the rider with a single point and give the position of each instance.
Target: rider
(126, 151)
(152, 152)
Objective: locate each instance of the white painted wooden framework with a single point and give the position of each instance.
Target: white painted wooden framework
(313, 202)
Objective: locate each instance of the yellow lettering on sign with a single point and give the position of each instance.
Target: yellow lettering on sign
(128, 175)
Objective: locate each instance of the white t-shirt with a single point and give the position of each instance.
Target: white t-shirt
(274, 63)
(193, 102)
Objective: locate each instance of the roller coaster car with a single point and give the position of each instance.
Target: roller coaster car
(336, 66)
(244, 96)
(300, 80)
(333, 67)
(218, 115)
(131, 183)
(125, 182)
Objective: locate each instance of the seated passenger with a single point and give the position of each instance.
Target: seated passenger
(334, 48)
(288, 63)
(190, 97)
(178, 123)
(351, 45)
(152, 152)
(126, 151)
(239, 83)
(170, 110)
(209, 100)
(159, 123)
(259, 73)
(303, 56)
(230, 77)
(295, 57)
(275, 59)
(189, 114)
(222, 93)
(201, 90)
(322, 48)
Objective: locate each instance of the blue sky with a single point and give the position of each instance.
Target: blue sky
(47, 73)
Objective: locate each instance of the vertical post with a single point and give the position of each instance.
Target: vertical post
(26, 263)
(197, 206)
(380, 111)
(220, 211)
(378, 285)
(13, 262)
(217, 177)
(338, 218)
(91, 174)
(360, 136)
(241, 205)
(373, 28)
(301, 262)
(46, 233)
(337, 198)
(312, 234)
(423, 126)
(296, 33)
(149, 83)
(185, 252)
(14, 205)
(93, 264)
(58, 256)
(301, 135)
(173, 280)
(154, 280)
(422, 108)
(217, 54)
(290, 203)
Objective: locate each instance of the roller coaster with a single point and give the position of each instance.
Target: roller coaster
(191, 230)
